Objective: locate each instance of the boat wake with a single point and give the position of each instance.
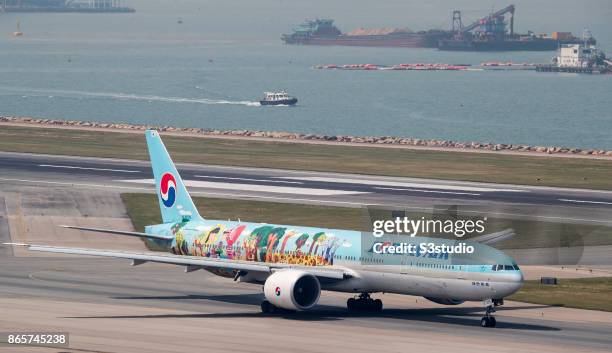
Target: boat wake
(127, 96)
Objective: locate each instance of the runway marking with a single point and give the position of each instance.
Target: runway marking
(248, 179)
(403, 184)
(88, 168)
(73, 184)
(292, 199)
(251, 187)
(586, 201)
(295, 200)
(429, 191)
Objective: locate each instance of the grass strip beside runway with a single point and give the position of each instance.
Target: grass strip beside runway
(143, 209)
(582, 293)
(405, 162)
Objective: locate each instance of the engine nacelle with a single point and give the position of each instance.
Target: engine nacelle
(292, 290)
(445, 301)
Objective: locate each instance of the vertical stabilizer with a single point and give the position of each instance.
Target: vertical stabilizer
(174, 200)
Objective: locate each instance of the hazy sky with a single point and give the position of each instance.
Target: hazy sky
(259, 16)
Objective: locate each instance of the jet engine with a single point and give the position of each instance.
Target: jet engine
(445, 301)
(292, 290)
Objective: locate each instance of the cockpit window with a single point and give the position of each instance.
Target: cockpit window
(504, 267)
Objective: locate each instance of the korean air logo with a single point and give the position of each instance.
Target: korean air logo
(277, 291)
(167, 189)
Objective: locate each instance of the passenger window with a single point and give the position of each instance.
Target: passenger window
(508, 268)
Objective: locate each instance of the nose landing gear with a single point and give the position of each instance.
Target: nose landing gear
(364, 303)
(488, 320)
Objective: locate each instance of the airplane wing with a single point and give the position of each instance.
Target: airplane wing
(121, 232)
(193, 262)
(493, 238)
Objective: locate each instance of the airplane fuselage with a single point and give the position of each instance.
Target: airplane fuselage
(447, 277)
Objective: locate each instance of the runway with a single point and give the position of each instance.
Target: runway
(106, 306)
(349, 190)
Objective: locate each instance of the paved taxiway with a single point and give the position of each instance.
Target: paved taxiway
(106, 306)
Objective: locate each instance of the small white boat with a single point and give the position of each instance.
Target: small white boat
(278, 98)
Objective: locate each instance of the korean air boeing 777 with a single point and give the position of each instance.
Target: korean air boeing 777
(295, 263)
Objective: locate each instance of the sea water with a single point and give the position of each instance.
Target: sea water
(145, 68)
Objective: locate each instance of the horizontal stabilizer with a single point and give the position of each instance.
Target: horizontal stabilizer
(122, 232)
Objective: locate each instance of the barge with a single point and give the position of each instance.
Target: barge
(324, 32)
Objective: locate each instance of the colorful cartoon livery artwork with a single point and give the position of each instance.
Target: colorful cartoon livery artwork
(263, 243)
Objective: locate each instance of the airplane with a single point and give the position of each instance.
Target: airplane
(296, 263)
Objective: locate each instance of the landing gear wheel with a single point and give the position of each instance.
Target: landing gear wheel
(364, 303)
(378, 305)
(484, 322)
(488, 320)
(266, 307)
(351, 304)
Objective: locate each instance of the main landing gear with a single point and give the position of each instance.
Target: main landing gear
(364, 303)
(488, 320)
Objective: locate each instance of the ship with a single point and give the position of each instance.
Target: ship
(324, 32)
(277, 98)
(491, 33)
(579, 58)
(87, 6)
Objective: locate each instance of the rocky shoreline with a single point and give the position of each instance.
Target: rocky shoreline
(279, 135)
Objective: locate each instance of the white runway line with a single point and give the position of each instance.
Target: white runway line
(403, 184)
(248, 179)
(586, 201)
(252, 187)
(88, 168)
(75, 184)
(291, 199)
(430, 191)
(204, 193)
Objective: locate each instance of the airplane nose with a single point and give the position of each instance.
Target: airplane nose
(517, 281)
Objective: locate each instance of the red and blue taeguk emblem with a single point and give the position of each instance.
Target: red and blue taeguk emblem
(167, 189)
(277, 291)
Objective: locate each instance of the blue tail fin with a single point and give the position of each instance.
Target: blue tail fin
(174, 200)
